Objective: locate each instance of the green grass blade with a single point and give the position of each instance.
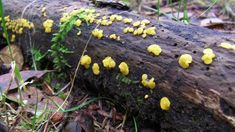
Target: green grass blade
(5, 28)
(136, 127)
(82, 105)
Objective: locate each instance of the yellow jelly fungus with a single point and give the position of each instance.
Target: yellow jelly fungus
(151, 83)
(112, 17)
(233, 47)
(109, 63)
(146, 96)
(127, 20)
(140, 30)
(165, 103)
(124, 69)
(105, 22)
(150, 31)
(125, 30)
(185, 60)
(208, 56)
(136, 24)
(104, 17)
(18, 25)
(79, 33)
(144, 77)
(44, 11)
(97, 33)
(207, 51)
(154, 49)
(13, 37)
(65, 17)
(135, 32)
(113, 36)
(148, 83)
(118, 18)
(226, 45)
(48, 25)
(96, 69)
(145, 22)
(78, 23)
(131, 30)
(144, 35)
(86, 61)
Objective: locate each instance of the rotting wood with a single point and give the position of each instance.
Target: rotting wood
(202, 97)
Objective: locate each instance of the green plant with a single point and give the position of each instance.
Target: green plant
(38, 56)
(135, 124)
(58, 50)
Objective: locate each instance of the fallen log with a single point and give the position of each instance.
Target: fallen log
(202, 97)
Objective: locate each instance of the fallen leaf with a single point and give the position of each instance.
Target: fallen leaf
(33, 97)
(5, 80)
(5, 56)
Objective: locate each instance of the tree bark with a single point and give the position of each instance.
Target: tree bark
(202, 96)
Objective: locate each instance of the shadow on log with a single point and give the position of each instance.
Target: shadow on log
(202, 96)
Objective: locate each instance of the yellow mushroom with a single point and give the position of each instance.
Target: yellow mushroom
(96, 69)
(165, 103)
(150, 31)
(185, 60)
(13, 37)
(148, 83)
(48, 25)
(136, 24)
(124, 69)
(109, 63)
(225, 45)
(97, 33)
(208, 56)
(118, 17)
(78, 23)
(127, 20)
(154, 49)
(86, 61)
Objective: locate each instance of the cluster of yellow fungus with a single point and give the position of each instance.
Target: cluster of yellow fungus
(145, 22)
(148, 83)
(208, 56)
(48, 25)
(96, 69)
(226, 45)
(127, 20)
(89, 15)
(185, 60)
(78, 23)
(109, 63)
(128, 30)
(97, 33)
(124, 69)
(13, 37)
(115, 17)
(86, 61)
(140, 30)
(17, 26)
(154, 49)
(44, 13)
(136, 24)
(165, 103)
(114, 37)
(150, 31)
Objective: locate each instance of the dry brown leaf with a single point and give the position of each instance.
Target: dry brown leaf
(5, 80)
(5, 56)
(34, 97)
